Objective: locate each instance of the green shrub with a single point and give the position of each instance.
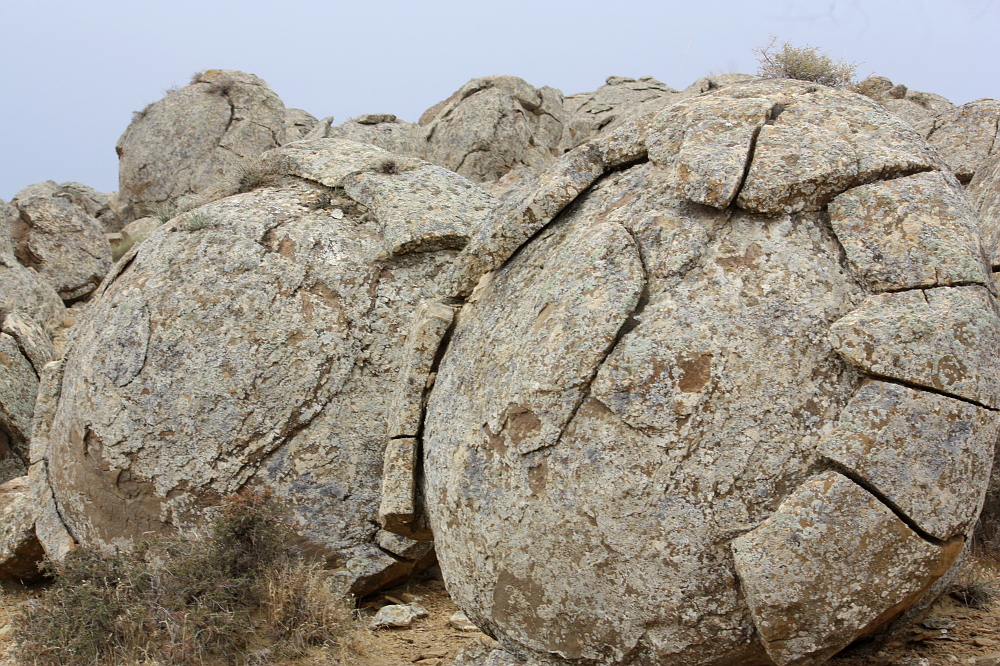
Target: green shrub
(805, 63)
(227, 597)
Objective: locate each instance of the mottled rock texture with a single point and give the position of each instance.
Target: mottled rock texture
(493, 125)
(62, 243)
(20, 287)
(20, 552)
(967, 136)
(182, 144)
(379, 129)
(984, 194)
(665, 359)
(254, 341)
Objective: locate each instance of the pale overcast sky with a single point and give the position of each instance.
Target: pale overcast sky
(72, 73)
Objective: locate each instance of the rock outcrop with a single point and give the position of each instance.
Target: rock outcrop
(20, 287)
(683, 352)
(378, 129)
(20, 551)
(255, 340)
(181, 145)
(493, 125)
(62, 243)
(967, 136)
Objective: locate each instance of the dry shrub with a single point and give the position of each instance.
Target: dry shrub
(267, 170)
(231, 596)
(805, 63)
(978, 584)
(120, 250)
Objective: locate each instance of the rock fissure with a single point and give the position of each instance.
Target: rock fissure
(925, 389)
(889, 504)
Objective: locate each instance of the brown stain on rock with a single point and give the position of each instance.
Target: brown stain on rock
(748, 259)
(696, 372)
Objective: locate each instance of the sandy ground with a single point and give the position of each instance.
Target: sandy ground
(970, 636)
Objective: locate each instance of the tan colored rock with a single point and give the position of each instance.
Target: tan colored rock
(704, 145)
(49, 527)
(829, 566)
(819, 144)
(943, 339)
(611, 413)
(20, 552)
(378, 129)
(918, 231)
(31, 339)
(298, 124)
(918, 109)
(398, 504)
(967, 136)
(64, 244)
(619, 99)
(253, 341)
(18, 386)
(182, 144)
(331, 161)
(984, 194)
(492, 124)
(416, 217)
(927, 454)
(431, 321)
(24, 289)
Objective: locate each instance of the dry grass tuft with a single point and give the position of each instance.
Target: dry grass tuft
(978, 585)
(232, 596)
(805, 63)
(267, 170)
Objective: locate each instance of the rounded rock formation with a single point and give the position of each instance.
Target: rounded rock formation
(253, 341)
(724, 389)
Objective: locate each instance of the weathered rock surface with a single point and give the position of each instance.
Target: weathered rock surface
(254, 340)
(918, 231)
(379, 129)
(984, 194)
(620, 98)
(20, 552)
(182, 144)
(492, 125)
(64, 244)
(806, 610)
(298, 124)
(22, 288)
(642, 372)
(967, 136)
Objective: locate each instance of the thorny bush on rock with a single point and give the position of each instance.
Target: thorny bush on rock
(805, 63)
(234, 595)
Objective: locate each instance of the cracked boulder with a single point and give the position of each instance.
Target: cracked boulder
(21, 287)
(20, 552)
(62, 243)
(967, 136)
(379, 129)
(494, 125)
(254, 341)
(667, 362)
(182, 144)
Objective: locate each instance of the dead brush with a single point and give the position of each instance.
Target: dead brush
(228, 596)
(805, 63)
(978, 584)
(267, 170)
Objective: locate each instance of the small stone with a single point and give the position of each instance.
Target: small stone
(461, 622)
(419, 610)
(337, 214)
(395, 615)
(431, 654)
(410, 598)
(991, 659)
(429, 662)
(938, 623)
(983, 642)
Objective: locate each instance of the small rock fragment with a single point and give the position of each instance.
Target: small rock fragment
(461, 622)
(396, 616)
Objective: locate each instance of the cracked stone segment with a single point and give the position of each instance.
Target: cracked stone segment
(539, 336)
(984, 193)
(260, 350)
(398, 505)
(330, 161)
(428, 327)
(830, 565)
(703, 145)
(64, 244)
(967, 136)
(944, 339)
(918, 231)
(517, 218)
(20, 552)
(823, 142)
(18, 387)
(927, 454)
(426, 209)
(182, 144)
(30, 337)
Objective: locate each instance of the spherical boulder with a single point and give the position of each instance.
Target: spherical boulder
(723, 389)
